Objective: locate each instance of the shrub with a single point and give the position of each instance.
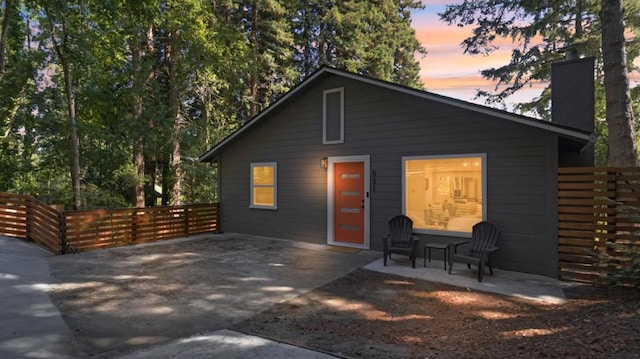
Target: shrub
(622, 259)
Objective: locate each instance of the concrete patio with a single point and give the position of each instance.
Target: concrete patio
(516, 284)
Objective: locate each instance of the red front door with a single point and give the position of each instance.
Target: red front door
(349, 202)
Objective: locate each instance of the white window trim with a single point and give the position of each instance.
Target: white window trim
(484, 190)
(275, 184)
(324, 116)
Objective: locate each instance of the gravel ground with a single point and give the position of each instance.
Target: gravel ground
(367, 314)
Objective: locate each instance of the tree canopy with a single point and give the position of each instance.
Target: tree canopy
(540, 29)
(109, 102)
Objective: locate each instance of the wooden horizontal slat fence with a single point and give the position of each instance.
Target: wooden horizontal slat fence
(13, 215)
(24, 217)
(596, 206)
(44, 226)
(85, 230)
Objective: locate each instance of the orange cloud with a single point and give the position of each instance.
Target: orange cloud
(448, 71)
(468, 82)
(450, 83)
(445, 59)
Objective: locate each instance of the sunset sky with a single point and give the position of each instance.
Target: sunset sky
(445, 69)
(448, 71)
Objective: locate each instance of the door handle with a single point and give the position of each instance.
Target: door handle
(362, 203)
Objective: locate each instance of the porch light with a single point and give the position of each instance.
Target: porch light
(324, 163)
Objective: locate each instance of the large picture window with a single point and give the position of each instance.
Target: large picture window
(444, 194)
(264, 189)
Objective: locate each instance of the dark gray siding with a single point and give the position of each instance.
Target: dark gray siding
(521, 165)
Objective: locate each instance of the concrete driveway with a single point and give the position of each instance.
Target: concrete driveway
(118, 301)
(30, 325)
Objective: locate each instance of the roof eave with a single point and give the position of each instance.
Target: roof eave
(548, 126)
(529, 121)
(211, 153)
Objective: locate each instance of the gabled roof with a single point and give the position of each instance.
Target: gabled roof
(564, 131)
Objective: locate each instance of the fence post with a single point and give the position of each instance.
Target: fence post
(29, 215)
(134, 225)
(62, 232)
(218, 216)
(615, 200)
(186, 221)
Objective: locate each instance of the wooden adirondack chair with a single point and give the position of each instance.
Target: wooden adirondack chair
(400, 239)
(483, 243)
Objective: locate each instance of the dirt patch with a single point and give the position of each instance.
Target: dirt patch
(374, 315)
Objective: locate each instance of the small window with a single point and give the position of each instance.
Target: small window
(445, 194)
(333, 116)
(264, 189)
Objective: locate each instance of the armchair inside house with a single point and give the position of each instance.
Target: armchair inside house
(400, 239)
(457, 216)
(445, 193)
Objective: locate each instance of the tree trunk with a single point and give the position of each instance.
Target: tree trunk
(174, 109)
(138, 148)
(307, 63)
(622, 138)
(4, 32)
(253, 81)
(73, 137)
(165, 183)
(74, 142)
(578, 22)
(141, 83)
(153, 173)
(14, 110)
(148, 57)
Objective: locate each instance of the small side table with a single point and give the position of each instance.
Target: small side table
(446, 252)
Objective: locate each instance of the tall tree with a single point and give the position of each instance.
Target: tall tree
(354, 35)
(57, 17)
(4, 32)
(538, 30)
(140, 18)
(151, 84)
(623, 149)
(271, 71)
(186, 47)
(17, 64)
(173, 62)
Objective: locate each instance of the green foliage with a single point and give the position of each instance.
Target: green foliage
(122, 80)
(621, 260)
(623, 266)
(200, 183)
(95, 197)
(601, 129)
(355, 35)
(47, 184)
(538, 29)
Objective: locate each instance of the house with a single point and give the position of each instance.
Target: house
(336, 157)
